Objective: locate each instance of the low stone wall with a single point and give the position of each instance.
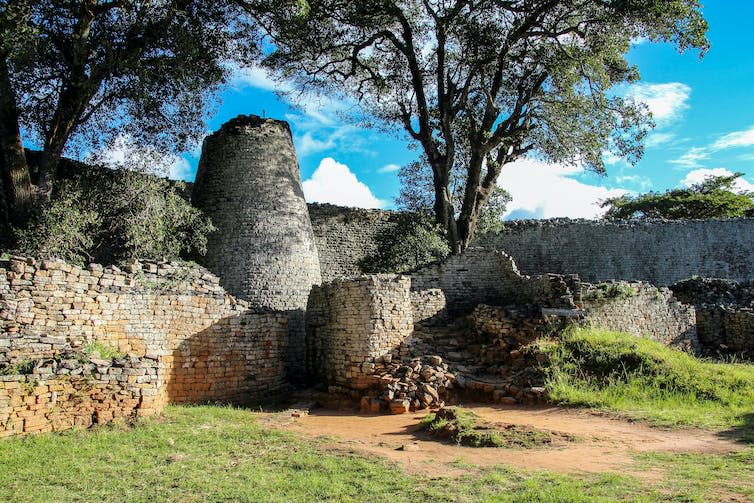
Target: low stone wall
(461, 282)
(457, 285)
(352, 324)
(724, 313)
(640, 309)
(726, 330)
(205, 344)
(64, 393)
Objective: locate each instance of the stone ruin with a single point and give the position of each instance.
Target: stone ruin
(260, 320)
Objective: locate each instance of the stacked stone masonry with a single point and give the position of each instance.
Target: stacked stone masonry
(184, 339)
(372, 336)
(724, 314)
(346, 236)
(658, 252)
(641, 309)
(353, 324)
(263, 250)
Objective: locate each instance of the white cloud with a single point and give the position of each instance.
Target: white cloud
(389, 168)
(665, 101)
(257, 77)
(332, 182)
(611, 159)
(735, 139)
(692, 158)
(307, 144)
(699, 175)
(658, 139)
(541, 190)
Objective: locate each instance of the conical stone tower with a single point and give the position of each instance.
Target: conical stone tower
(249, 184)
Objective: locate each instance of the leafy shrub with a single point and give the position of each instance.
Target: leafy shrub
(112, 216)
(66, 228)
(413, 242)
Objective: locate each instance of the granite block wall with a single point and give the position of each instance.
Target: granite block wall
(345, 236)
(658, 252)
(353, 324)
(641, 309)
(248, 183)
(63, 393)
(724, 314)
(203, 343)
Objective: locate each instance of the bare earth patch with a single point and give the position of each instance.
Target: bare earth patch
(602, 444)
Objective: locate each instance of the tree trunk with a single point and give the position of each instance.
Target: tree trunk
(13, 167)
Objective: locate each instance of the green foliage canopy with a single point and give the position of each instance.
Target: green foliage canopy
(477, 85)
(414, 241)
(113, 216)
(712, 198)
(76, 73)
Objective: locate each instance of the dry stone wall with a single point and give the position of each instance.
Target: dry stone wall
(191, 341)
(353, 324)
(248, 183)
(458, 284)
(724, 314)
(641, 309)
(658, 252)
(346, 236)
(63, 393)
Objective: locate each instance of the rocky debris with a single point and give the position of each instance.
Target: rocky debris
(420, 383)
(486, 357)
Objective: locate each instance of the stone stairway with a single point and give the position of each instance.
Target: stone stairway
(479, 358)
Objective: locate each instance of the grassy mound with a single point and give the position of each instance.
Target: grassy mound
(466, 428)
(644, 379)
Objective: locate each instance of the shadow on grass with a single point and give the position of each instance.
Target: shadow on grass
(743, 434)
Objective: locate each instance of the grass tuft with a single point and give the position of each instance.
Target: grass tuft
(644, 379)
(466, 428)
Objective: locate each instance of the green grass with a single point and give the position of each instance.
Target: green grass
(643, 379)
(221, 454)
(102, 351)
(466, 428)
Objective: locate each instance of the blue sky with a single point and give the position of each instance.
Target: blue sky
(704, 110)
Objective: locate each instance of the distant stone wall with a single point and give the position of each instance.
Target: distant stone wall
(659, 252)
(345, 236)
(203, 344)
(352, 324)
(641, 309)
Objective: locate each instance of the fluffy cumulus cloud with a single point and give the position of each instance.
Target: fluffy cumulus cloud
(699, 175)
(332, 182)
(541, 190)
(665, 101)
(697, 156)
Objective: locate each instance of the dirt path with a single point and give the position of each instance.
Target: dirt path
(603, 444)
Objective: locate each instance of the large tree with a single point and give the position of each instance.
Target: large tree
(715, 197)
(76, 73)
(480, 83)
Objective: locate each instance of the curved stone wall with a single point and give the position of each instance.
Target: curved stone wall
(264, 251)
